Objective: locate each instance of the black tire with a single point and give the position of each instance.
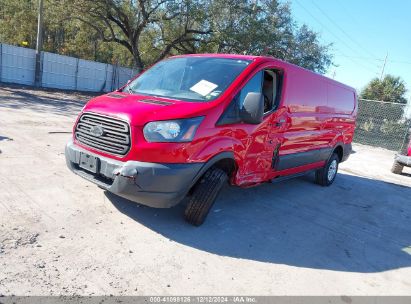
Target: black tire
(396, 167)
(204, 195)
(322, 175)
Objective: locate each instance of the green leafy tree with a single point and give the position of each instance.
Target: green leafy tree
(141, 32)
(380, 123)
(391, 89)
(169, 23)
(152, 30)
(265, 27)
(18, 26)
(18, 21)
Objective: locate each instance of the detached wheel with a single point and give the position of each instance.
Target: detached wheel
(396, 167)
(326, 176)
(204, 196)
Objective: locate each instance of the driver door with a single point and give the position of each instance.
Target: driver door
(258, 143)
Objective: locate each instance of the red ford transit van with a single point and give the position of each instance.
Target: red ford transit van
(190, 124)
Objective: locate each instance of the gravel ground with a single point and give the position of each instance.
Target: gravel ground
(60, 234)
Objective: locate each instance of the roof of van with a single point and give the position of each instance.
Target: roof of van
(232, 56)
(269, 58)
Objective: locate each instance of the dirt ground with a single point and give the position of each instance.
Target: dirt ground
(60, 234)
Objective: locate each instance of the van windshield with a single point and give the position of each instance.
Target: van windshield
(188, 78)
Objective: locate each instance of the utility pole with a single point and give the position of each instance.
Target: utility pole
(39, 45)
(383, 66)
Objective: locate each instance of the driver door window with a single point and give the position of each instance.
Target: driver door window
(265, 82)
(253, 85)
(269, 90)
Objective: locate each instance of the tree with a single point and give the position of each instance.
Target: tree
(390, 89)
(141, 32)
(265, 27)
(168, 23)
(379, 123)
(152, 30)
(18, 21)
(18, 26)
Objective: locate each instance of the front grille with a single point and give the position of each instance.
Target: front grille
(115, 138)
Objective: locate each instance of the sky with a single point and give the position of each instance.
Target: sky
(363, 33)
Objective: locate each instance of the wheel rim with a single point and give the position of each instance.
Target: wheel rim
(332, 170)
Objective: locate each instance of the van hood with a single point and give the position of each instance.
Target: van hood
(140, 109)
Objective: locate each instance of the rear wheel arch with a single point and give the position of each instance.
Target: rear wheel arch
(326, 175)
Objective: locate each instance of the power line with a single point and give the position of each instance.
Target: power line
(396, 61)
(348, 13)
(375, 59)
(342, 30)
(336, 37)
(383, 66)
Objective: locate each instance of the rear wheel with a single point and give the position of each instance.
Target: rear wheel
(326, 175)
(396, 167)
(204, 196)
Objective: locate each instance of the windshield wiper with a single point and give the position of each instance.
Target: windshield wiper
(129, 90)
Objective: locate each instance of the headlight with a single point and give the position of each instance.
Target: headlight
(182, 130)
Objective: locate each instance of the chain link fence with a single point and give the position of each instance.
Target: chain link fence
(383, 124)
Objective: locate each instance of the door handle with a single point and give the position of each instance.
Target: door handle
(280, 122)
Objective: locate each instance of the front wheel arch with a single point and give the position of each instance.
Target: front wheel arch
(223, 160)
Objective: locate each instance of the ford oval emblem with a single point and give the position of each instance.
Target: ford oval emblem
(97, 131)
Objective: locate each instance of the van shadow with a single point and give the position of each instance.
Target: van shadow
(356, 225)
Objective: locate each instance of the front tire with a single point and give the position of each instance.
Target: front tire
(204, 195)
(396, 167)
(326, 175)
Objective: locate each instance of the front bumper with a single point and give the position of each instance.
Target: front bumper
(403, 160)
(152, 184)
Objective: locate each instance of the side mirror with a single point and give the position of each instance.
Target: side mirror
(253, 108)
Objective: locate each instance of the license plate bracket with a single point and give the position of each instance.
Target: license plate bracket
(88, 162)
